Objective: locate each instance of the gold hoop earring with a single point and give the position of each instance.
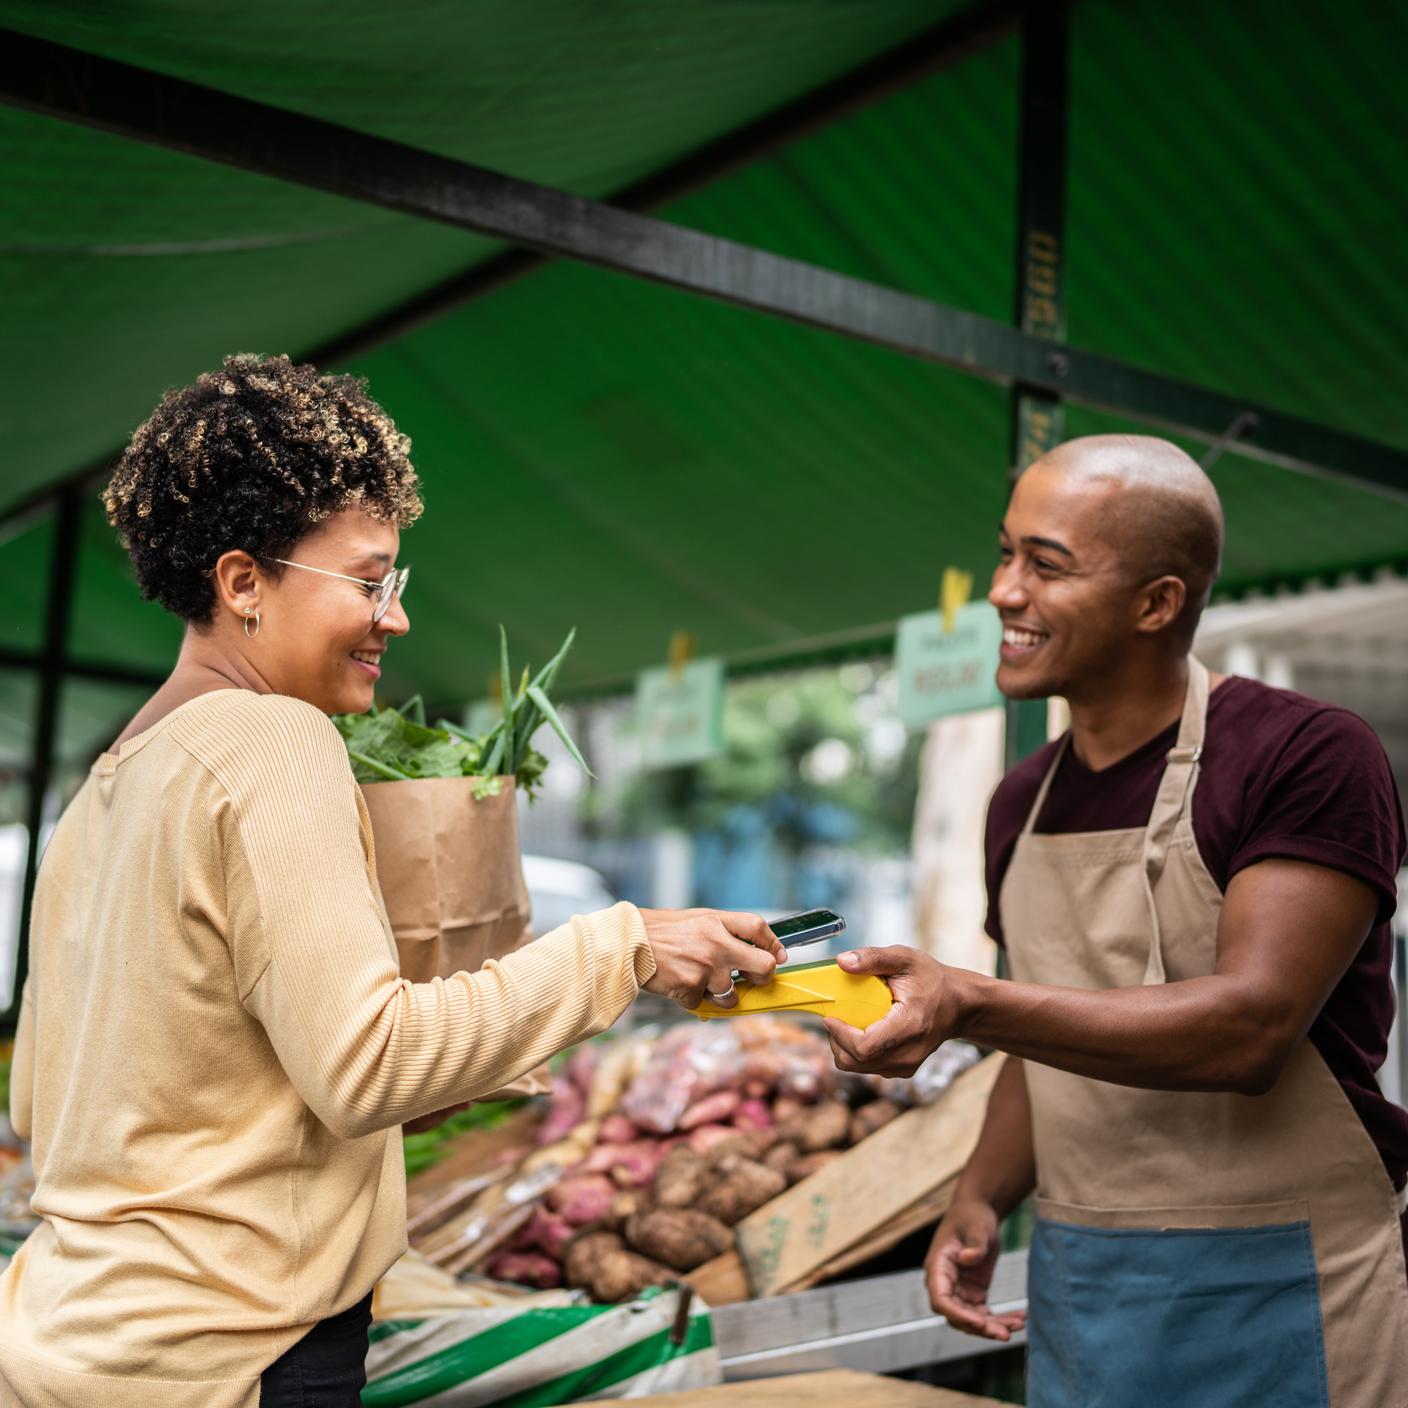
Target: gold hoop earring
(247, 612)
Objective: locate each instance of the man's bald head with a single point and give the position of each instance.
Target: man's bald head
(1161, 512)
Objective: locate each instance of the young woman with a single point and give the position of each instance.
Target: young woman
(215, 1050)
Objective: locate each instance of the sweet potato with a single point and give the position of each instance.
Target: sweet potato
(703, 1139)
(566, 1107)
(546, 1232)
(824, 1127)
(681, 1178)
(869, 1118)
(743, 1188)
(640, 1159)
(614, 1072)
(636, 1170)
(809, 1164)
(619, 1275)
(526, 1268)
(617, 1129)
(679, 1237)
(582, 1198)
(581, 1066)
(781, 1157)
(712, 1109)
(753, 1114)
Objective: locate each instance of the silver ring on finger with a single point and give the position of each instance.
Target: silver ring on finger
(723, 996)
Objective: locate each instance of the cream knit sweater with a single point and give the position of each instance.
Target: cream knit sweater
(215, 1054)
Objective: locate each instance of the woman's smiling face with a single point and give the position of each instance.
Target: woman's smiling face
(316, 638)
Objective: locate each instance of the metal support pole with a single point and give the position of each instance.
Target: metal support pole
(68, 525)
(1036, 424)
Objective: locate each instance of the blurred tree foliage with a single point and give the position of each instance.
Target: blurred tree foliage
(818, 753)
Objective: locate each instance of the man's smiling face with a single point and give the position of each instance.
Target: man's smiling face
(1067, 600)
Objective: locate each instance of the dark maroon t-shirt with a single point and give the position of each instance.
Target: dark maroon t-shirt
(1282, 775)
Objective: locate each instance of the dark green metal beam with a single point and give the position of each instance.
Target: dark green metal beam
(101, 671)
(1040, 311)
(68, 84)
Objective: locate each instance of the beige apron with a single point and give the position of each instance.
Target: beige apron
(1120, 908)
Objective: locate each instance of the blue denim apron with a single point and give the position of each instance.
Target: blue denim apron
(1192, 1249)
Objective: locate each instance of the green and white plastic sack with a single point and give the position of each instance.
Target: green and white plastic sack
(513, 1357)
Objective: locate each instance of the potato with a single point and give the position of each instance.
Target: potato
(781, 1157)
(786, 1108)
(625, 1205)
(681, 1178)
(584, 1255)
(619, 1275)
(809, 1164)
(679, 1237)
(582, 1199)
(744, 1143)
(526, 1269)
(824, 1127)
(743, 1188)
(869, 1118)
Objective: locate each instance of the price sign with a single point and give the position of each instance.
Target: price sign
(948, 674)
(680, 713)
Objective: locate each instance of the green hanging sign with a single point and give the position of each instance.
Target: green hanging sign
(680, 713)
(947, 672)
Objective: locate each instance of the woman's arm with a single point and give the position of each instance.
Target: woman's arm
(365, 1048)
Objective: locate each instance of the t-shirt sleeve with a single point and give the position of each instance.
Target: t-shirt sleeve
(1328, 797)
(1007, 814)
(365, 1048)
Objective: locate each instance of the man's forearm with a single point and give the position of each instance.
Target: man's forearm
(1198, 1034)
(1002, 1169)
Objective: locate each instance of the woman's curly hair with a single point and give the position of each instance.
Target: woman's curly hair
(252, 456)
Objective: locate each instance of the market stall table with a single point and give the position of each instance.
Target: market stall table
(836, 1388)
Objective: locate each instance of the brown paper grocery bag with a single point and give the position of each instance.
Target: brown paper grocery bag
(450, 872)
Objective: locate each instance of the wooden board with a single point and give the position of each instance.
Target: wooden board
(835, 1388)
(473, 1153)
(868, 1188)
(723, 1281)
(924, 1213)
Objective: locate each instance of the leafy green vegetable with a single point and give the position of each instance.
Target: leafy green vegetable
(391, 745)
(423, 1150)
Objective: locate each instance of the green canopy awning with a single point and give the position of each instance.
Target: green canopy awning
(634, 460)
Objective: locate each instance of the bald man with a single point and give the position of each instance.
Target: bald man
(1192, 888)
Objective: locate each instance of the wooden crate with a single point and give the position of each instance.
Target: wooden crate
(900, 1179)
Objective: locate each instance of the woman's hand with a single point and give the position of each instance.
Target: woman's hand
(959, 1270)
(697, 950)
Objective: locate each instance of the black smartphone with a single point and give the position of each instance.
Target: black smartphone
(809, 927)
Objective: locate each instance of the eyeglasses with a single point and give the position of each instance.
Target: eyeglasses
(388, 589)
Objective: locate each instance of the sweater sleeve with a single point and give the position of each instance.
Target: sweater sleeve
(365, 1048)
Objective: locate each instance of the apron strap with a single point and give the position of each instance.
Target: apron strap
(1172, 802)
(1046, 784)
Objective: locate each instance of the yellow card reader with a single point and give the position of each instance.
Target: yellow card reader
(826, 989)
